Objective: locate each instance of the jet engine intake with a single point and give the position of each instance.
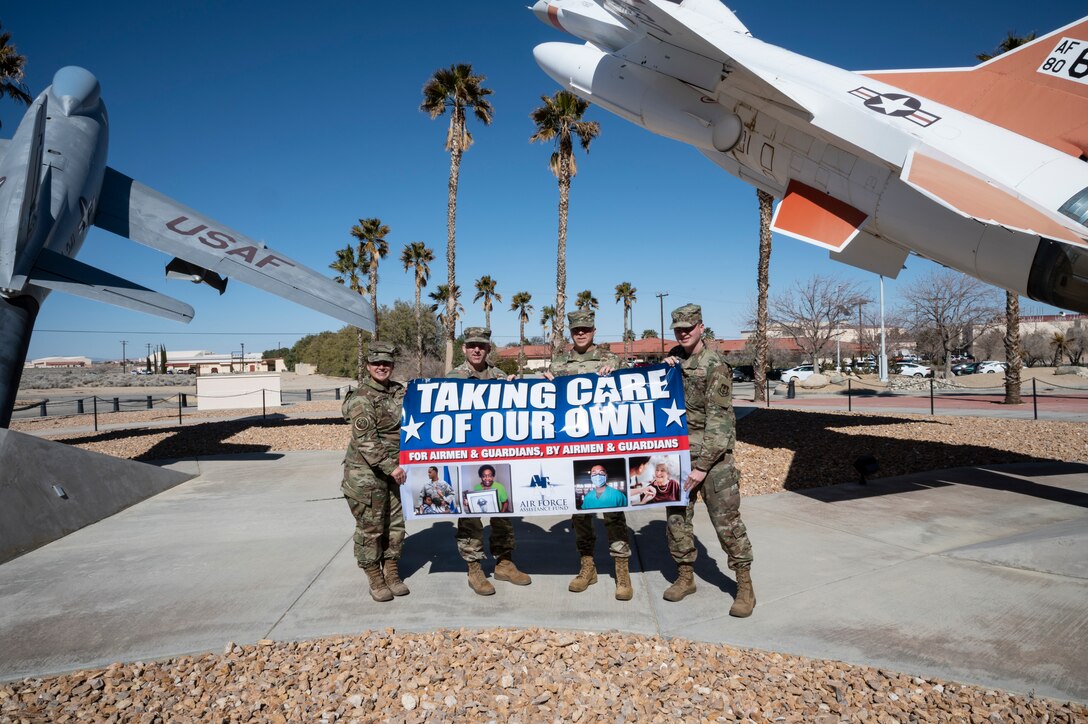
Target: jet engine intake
(1059, 275)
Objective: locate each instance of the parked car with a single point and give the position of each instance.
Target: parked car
(910, 369)
(965, 368)
(991, 367)
(744, 373)
(800, 372)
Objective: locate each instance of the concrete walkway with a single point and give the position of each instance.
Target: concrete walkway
(974, 575)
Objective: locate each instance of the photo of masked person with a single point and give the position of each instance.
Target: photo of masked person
(600, 484)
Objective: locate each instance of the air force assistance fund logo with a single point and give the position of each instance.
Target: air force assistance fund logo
(896, 104)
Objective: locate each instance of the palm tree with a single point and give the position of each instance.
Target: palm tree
(763, 284)
(11, 71)
(441, 297)
(1061, 345)
(558, 120)
(418, 256)
(348, 267)
(586, 301)
(485, 289)
(457, 89)
(1012, 299)
(520, 304)
(371, 234)
(547, 314)
(626, 293)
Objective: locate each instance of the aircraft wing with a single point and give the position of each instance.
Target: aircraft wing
(64, 274)
(130, 209)
(700, 37)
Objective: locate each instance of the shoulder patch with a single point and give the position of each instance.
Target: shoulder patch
(720, 386)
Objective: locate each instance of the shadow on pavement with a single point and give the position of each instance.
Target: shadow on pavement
(980, 478)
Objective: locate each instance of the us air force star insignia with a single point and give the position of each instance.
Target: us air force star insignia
(674, 413)
(411, 429)
(897, 105)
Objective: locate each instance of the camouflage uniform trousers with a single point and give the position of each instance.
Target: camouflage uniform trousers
(470, 538)
(721, 491)
(615, 526)
(379, 517)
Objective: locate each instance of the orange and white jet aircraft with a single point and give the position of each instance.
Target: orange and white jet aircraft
(982, 169)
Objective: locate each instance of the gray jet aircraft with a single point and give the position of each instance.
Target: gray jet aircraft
(54, 184)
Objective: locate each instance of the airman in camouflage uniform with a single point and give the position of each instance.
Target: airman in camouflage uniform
(585, 356)
(470, 531)
(708, 395)
(372, 472)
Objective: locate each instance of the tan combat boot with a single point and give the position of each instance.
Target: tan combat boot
(507, 571)
(378, 590)
(624, 590)
(746, 595)
(477, 581)
(586, 577)
(392, 579)
(684, 585)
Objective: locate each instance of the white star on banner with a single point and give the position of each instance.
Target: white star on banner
(412, 429)
(674, 413)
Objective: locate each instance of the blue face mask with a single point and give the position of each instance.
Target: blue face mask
(599, 480)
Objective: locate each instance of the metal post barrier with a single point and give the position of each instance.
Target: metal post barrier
(43, 412)
(95, 403)
(116, 405)
(79, 406)
(768, 395)
(791, 389)
(309, 395)
(931, 397)
(264, 409)
(849, 395)
(150, 403)
(179, 408)
(338, 393)
(1034, 398)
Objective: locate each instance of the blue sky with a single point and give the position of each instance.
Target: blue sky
(289, 122)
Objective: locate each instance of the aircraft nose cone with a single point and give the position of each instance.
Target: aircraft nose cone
(75, 89)
(572, 66)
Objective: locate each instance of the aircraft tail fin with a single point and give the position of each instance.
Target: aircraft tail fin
(21, 166)
(1039, 90)
(64, 274)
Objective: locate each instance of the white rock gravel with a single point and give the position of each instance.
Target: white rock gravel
(462, 675)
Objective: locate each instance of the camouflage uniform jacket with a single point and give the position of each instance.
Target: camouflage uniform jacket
(464, 371)
(708, 396)
(374, 412)
(569, 362)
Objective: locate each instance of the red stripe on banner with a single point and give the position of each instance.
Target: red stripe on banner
(547, 451)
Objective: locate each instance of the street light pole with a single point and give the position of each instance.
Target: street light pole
(124, 357)
(883, 350)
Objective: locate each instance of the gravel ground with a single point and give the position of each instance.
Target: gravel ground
(528, 675)
(539, 675)
(777, 449)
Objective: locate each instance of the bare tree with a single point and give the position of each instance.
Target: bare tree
(1035, 347)
(951, 306)
(1077, 343)
(815, 312)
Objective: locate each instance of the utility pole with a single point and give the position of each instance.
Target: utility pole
(124, 357)
(661, 303)
(243, 356)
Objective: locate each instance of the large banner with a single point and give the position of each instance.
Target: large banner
(584, 443)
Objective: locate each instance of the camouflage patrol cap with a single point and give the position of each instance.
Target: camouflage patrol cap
(581, 318)
(381, 352)
(688, 315)
(478, 335)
